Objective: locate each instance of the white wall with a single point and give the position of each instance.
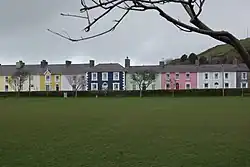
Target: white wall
(65, 83)
(212, 80)
(130, 82)
(34, 80)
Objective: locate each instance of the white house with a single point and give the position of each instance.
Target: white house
(216, 76)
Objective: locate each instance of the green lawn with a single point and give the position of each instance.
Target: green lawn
(125, 132)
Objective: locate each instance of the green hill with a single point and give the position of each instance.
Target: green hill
(225, 50)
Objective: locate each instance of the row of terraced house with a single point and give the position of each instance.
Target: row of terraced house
(113, 76)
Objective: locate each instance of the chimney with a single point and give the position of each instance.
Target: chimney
(127, 62)
(19, 64)
(235, 61)
(91, 63)
(44, 64)
(161, 63)
(67, 63)
(197, 62)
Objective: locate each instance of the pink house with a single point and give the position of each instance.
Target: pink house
(179, 77)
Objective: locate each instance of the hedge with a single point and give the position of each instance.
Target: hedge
(147, 93)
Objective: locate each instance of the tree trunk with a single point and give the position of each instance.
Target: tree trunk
(140, 92)
(76, 93)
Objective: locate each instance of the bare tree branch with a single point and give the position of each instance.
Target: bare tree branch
(192, 7)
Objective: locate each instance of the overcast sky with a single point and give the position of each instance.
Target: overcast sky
(144, 37)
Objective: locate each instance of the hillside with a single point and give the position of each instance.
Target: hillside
(225, 50)
(219, 54)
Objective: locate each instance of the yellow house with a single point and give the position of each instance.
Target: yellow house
(50, 81)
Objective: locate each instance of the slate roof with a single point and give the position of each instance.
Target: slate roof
(7, 70)
(190, 68)
(108, 67)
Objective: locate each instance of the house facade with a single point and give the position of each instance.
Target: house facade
(216, 76)
(106, 76)
(179, 77)
(242, 76)
(132, 85)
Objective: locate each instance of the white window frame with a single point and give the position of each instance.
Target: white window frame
(118, 86)
(168, 83)
(205, 86)
(92, 76)
(105, 87)
(225, 85)
(107, 76)
(118, 76)
(57, 84)
(187, 83)
(6, 79)
(47, 80)
(217, 86)
(205, 76)
(178, 76)
(242, 74)
(57, 80)
(6, 90)
(215, 75)
(167, 76)
(241, 84)
(227, 75)
(187, 73)
(92, 85)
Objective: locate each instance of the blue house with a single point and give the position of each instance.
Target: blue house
(106, 76)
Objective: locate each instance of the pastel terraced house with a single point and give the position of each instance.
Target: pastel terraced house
(106, 76)
(217, 76)
(179, 77)
(130, 70)
(45, 77)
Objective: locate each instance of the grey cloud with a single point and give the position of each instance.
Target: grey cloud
(144, 37)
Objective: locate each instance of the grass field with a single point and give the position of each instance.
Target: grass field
(125, 132)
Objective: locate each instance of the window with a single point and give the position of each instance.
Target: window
(134, 87)
(47, 88)
(244, 75)
(116, 76)
(226, 75)
(187, 86)
(167, 85)
(6, 88)
(153, 86)
(177, 76)
(74, 78)
(206, 76)
(206, 85)
(226, 85)
(187, 76)
(57, 87)
(105, 76)
(83, 77)
(104, 86)
(94, 76)
(216, 76)
(244, 85)
(6, 79)
(94, 86)
(216, 84)
(47, 78)
(167, 76)
(57, 78)
(116, 86)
